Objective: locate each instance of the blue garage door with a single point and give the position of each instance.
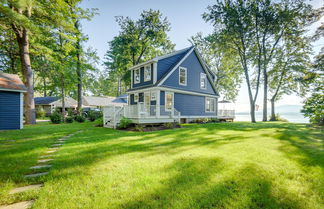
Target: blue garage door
(9, 110)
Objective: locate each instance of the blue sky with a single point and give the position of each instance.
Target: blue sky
(186, 21)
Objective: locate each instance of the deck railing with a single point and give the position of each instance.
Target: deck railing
(226, 113)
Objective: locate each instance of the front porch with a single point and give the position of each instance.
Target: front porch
(140, 113)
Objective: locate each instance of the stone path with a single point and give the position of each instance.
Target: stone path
(43, 159)
(19, 205)
(25, 188)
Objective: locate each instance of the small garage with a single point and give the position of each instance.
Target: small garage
(11, 101)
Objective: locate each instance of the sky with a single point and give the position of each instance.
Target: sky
(186, 20)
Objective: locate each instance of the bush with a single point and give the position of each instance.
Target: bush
(69, 119)
(313, 106)
(94, 115)
(99, 122)
(79, 118)
(139, 127)
(124, 123)
(40, 113)
(56, 117)
(279, 118)
(169, 125)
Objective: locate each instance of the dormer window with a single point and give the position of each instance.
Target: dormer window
(182, 76)
(203, 81)
(137, 76)
(147, 73)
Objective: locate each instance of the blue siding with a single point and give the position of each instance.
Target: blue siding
(194, 68)
(165, 65)
(191, 105)
(188, 105)
(142, 83)
(9, 110)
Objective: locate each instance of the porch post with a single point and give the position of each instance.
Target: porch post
(158, 107)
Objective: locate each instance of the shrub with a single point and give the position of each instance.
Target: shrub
(70, 112)
(139, 127)
(56, 117)
(69, 119)
(124, 123)
(313, 106)
(169, 125)
(279, 118)
(40, 113)
(99, 122)
(79, 118)
(94, 115)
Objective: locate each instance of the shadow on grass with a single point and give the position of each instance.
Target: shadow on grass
(197, 183)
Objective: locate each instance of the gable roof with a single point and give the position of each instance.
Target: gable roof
(11, 82)
(121, 99)
(174, 59)
(45, 100)
(97, 101)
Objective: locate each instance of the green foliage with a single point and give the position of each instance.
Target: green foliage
(223, 62)
(94, 115)
(56, 117)
(169, 125)
(139, 127)
(69, 119)
(40, 113)
(138, 41)
(99, 122)
(125, 123)
(79, 118)
(278, 118)
(314, 106)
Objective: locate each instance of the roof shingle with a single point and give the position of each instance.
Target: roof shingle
(11, 82)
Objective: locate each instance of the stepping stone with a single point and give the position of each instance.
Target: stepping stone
(25, 188)
(40, 166)
(46, 156)
(44, 160)
(50, 151)
(36, 174)
(56, 145)
(19, 205)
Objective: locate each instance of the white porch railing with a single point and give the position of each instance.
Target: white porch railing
(226, 113)
(113, 114)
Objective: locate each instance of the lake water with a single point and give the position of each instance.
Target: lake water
(291, 117)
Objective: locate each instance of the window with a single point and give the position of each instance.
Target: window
(136, 97)
(137, 75)
(147, 73)
(203, 81)
(182, 76)
(153, 96)
(168, 101)
(210, 104)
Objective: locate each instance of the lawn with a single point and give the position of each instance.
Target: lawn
(225, 165)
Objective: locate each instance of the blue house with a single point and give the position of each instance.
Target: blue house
(174, 87)
(11, 101)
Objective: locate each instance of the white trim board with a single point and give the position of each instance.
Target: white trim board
(13, 90)
(173, 90)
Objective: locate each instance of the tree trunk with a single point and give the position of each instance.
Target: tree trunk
(79, 73)
(23, 43)
(63, 97)
(265, 95)
(273, 114)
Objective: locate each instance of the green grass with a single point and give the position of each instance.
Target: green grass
(226, 165)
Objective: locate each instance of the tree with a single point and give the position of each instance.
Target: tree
(273, 20)
(9, 52)
(234, 27)
(222, 63)
(26, 17)
(290, 68)
(138, 41)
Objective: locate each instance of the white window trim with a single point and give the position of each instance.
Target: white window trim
(152, 93)
(186, 77)
(139, 72)
(150, 72)
(205, 77)
(136, 100)
(165, 101)
(211, 98)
